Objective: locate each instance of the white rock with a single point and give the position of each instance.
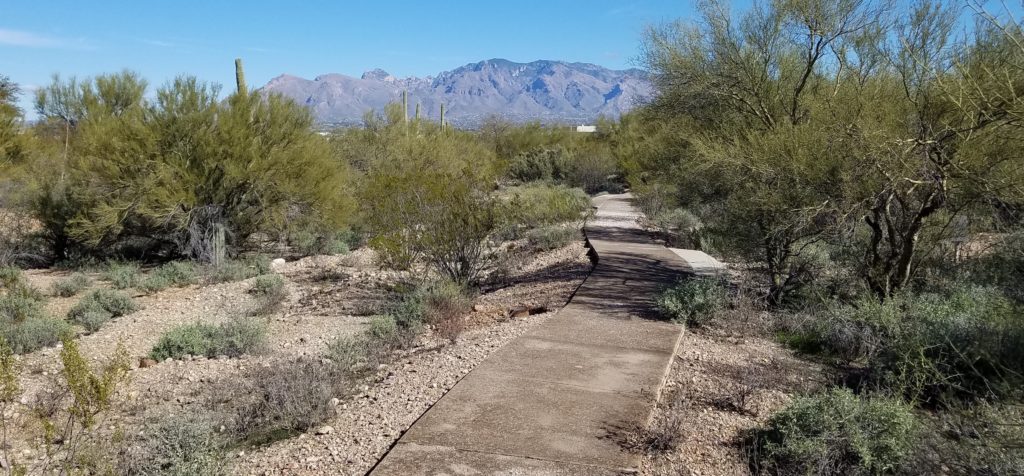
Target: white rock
(277, 263)
(325, 430)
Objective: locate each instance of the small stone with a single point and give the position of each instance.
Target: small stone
(325, 430)
(335, 402)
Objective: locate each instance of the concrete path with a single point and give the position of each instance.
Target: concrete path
(558, 399)
(701, 263)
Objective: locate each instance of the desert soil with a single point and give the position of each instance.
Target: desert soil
(722, 384)
(328, 296)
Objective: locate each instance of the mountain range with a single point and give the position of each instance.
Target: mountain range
(545, 91)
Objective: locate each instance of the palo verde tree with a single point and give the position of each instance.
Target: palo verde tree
(159, 174)
(804, 121)
(427, 196)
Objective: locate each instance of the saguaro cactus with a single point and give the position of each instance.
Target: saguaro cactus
(417, 116)
(442, 117)
(405, 106)
(240, 77)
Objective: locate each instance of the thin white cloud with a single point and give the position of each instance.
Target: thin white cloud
(28, 39)
(160, 43)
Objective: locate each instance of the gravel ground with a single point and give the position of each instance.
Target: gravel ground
(720, 385)
(367, 425)
(328, 296)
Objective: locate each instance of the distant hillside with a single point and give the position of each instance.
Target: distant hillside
(548, 91)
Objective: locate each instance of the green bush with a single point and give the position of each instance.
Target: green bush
(99, 306)
(382, 328)
(173, 205)
(17, 308)
(154, 283)
(33, 334)
(693, 301)
(543, 163)
(123, 275)
(175, 273)
(431, 302)
(240, 269)
(928, 347)
(836, 433)
(539, 204)
(267, 284)
(71, 285)
(270, 292)
(232, 338)
(9, 276)
(24, 290)
(178, 446)
(307, 243)
(551, 237)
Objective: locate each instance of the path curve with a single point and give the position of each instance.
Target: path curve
(559, 399)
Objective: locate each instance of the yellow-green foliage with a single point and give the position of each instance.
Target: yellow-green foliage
(538, 204)
(92, 392)
(427, 194)
(793, 123)
(188, 159)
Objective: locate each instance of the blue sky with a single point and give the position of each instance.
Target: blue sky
(161, 39)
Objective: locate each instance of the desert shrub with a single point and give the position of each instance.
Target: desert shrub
(551, 237)
(123, 275)
(428, 197)
(382, 328)
(25, 290)
(266, 284)
(540, 164)
(269, 291)
(232, 338)
(284, 399)
(18, 308)
(836, 433)
(99, 306)
(177, 446)
(1003, 266)
(175, 273)
(83, 395)
(442, 304)
(539, 204)
(213, 155)
(445, 305)
(9, 276)
(240, 269)
(665, 434)
(929, 347)
(154, 283)
(363, 352)
(693, 301)
(71, 285)
(33, 334)
(977, 439)
(307, 243)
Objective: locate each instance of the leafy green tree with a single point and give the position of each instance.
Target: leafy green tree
(804, 122)
(428, 197)
(164, 173)
(12, 147)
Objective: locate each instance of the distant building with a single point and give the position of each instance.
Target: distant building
(586, 128)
